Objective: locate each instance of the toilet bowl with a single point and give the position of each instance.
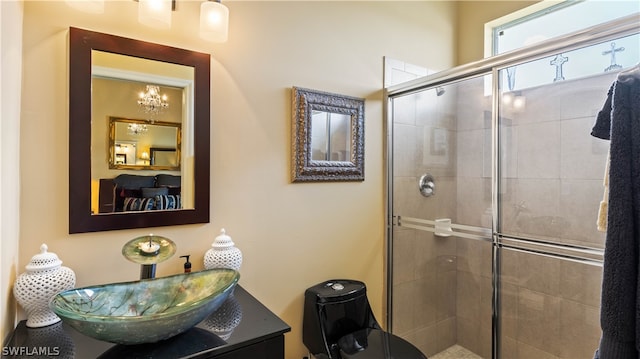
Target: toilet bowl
(338, 323)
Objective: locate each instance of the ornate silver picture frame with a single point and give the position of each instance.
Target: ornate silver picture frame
(327, 136)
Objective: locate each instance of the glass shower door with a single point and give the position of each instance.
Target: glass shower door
(550, 188)
(441, 235)
(511, 162)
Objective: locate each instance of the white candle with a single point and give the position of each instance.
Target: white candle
(149, 247)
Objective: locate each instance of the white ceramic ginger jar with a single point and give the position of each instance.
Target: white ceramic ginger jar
(45, 277)
(223, 254)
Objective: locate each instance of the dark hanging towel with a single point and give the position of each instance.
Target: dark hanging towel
(619, 122)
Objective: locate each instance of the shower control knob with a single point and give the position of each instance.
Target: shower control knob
(427, 185)
(337, 286)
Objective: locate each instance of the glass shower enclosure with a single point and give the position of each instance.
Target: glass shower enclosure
(494, 187)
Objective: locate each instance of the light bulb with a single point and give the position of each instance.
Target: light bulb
(507, 98)
(519, 102)
(214, 21)
(155, 13)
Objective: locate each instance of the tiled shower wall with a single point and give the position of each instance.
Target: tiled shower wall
(553, 184)
(425, 266)
(473, 207)
(552, 190)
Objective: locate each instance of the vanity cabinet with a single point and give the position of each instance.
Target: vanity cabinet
(242, 328)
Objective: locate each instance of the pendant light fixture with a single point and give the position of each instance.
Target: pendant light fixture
(214, 16)
(155, 13)
(214, 21)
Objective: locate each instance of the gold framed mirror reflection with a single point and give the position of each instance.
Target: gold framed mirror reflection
(143, 145)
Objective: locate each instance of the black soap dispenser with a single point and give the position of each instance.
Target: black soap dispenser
(187, 264)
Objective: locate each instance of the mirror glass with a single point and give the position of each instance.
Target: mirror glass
(138, 144)
(139, 134)
(328, 136)
(330, 140)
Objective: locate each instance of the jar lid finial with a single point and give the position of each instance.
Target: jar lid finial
(43, 260)
(223, 241)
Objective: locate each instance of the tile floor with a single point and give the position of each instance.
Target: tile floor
(455, 352)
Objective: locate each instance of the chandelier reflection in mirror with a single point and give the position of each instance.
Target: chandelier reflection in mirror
(151, 101)
(137, 129)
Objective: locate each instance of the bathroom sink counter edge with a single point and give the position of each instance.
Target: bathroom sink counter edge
(258, 333)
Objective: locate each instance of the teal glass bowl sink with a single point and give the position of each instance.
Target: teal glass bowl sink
(145, 311)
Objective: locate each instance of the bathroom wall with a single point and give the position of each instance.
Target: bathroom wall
(292, 235)
(10, 70)
(251, 77)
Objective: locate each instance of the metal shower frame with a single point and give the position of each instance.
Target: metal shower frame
(626, 26)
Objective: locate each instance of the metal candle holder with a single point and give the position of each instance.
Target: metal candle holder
(148, 251)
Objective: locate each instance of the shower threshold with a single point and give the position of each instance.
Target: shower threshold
(456, 352)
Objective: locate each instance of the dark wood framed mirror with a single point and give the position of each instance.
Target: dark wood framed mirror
(85, 186)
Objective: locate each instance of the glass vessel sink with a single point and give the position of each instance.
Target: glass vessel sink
(148, 310)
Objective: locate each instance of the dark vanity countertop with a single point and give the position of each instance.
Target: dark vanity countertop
(251, 321)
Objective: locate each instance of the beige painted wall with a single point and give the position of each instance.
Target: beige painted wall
(472, 15)
(10, 71)
(292, 235)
